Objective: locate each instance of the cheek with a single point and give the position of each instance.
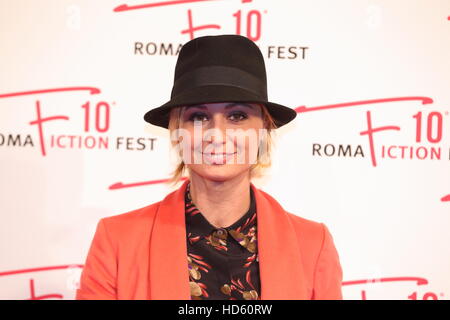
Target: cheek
(191, 140)
(249, 141)
(196, 144)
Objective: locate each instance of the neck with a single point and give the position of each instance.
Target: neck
(221, 202)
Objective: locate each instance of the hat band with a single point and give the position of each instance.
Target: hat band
(220, 75)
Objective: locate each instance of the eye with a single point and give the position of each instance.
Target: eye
(234, 116)
(238, 116)
(197, 116)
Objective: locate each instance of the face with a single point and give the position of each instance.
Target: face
(220, 140)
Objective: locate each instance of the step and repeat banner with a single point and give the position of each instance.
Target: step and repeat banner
(368, 154)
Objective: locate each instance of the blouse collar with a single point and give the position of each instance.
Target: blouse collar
(197, 225)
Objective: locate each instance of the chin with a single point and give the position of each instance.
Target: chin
(219, 172)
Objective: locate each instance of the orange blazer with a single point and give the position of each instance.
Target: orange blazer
(142, 254)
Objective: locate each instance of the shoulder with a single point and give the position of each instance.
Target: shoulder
(133, 221)
(306, 226)
(311, 234)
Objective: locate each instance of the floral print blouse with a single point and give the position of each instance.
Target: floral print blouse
(223, 262)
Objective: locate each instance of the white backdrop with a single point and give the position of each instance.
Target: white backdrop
(368, 153)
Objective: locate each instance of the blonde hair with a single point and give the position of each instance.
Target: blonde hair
(256, 170)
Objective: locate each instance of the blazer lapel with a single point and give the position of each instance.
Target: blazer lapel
(280, 265)
(168, 266)
(281, 272)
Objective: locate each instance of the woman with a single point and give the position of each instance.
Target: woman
(217, 236)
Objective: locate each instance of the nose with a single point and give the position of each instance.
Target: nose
(216, 134)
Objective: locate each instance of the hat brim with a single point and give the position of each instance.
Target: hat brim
(209, 94)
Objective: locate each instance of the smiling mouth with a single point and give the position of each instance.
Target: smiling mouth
(218, 158)
(218, 154)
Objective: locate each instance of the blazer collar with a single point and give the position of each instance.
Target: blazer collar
(281, 271)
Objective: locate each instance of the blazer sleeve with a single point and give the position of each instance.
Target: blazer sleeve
(328, 272)
(98, 278)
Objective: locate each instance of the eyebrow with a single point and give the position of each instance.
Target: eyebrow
(228, 106)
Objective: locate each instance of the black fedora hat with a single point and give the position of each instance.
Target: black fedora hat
(222, 68)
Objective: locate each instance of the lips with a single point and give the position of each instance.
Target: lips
(218, 158)
(216, 153)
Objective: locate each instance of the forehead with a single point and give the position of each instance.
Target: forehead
(223, 105)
